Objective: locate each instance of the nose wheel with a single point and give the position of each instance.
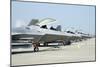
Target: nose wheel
(36, 46)
(36, 49)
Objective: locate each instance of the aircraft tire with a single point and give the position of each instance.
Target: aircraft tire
(36, 49)
(67, 43)
(45, 44)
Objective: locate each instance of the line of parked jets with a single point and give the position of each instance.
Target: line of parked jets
(37, 32)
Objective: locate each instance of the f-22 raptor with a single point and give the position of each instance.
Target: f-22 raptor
(37, 32)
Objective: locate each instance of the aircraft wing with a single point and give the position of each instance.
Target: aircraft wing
(54, 37)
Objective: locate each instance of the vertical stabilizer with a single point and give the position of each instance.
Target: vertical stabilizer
(33, 22)
(58, 28)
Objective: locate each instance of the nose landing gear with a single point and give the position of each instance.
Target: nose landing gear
(36, 46)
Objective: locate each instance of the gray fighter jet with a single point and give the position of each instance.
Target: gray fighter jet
(37, 32)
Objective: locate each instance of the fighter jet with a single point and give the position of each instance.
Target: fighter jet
(38, 32)
(83, 35)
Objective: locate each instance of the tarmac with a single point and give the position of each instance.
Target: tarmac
(76, 52)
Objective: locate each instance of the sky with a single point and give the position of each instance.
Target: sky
(73, 17)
